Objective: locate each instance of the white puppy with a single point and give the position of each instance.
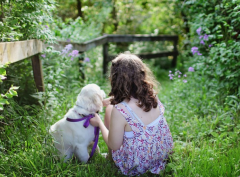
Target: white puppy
(72, 137)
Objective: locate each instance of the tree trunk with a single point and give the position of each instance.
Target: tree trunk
(114, 16)
(186, 25)
(2, 13)
(79, 8)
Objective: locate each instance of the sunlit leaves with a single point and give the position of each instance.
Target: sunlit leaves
(25, 20)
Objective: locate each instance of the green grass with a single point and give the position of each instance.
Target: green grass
(206, 144)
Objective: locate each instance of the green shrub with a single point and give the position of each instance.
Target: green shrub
(215, 45)
(21, 20)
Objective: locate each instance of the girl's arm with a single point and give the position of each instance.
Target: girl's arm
(97, 122)
(114, 137)
(116, 129)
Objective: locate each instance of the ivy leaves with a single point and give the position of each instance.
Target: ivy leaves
(10, 93)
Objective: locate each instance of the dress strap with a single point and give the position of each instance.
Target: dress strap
(123, 112)
(135, 124)
(161, 107)
(133, 114)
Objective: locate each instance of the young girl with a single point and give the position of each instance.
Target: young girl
(135, 128)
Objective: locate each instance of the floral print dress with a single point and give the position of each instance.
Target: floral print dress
(148, 148)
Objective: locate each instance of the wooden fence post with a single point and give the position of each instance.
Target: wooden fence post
(174, 61)
(105, 58)
(37, 72)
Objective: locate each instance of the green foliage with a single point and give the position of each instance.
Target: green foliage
(206, 133)
(219, 63)
(77, 30)
(11, 92)
(91, 10)
(203, 114)
(145, 17)
(126, 17)
(21, 74)
(22, 20)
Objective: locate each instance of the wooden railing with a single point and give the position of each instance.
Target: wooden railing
(15, 51)
(11, 52)
(140, 38)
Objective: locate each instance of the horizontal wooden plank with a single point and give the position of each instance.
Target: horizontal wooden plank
(82, 47)
(140, 37)
(15, 51)
(149, 55)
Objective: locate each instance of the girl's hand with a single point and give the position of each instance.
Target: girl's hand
(95, 121)
(106, 102)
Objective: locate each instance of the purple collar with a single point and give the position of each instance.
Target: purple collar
(86, 124)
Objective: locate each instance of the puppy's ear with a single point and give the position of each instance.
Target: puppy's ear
(91, 97)
(97, 101)
(103, 94)
(86, 103)
(98, 98)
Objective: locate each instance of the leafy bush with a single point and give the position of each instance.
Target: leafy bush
(215, 45)
(9, 93)
(21, 20)
(77, 30)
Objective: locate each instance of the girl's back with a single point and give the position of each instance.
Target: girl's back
(145, 117)
(147, 140)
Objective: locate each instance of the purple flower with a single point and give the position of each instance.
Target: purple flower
(200, 37)
(171, 78)
(199, 30)
(170, 71)
(184, 81)
(185, 75)
(74, 53)
(191, 69)
(67, 48)
(210, 45)
(205, 37)
(46, 26)
(194, 50)
(202, 42)
(86, 60)
(68, 40)
(179, 76)
(43, 55)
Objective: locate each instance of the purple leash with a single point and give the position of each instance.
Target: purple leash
(86, 124)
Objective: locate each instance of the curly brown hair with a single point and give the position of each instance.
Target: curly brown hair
(130, 77)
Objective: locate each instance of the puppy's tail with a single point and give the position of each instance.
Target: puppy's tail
(52, 129)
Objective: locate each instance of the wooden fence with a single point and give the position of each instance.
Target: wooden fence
(15, 51)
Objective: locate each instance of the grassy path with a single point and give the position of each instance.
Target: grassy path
(204, 146)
